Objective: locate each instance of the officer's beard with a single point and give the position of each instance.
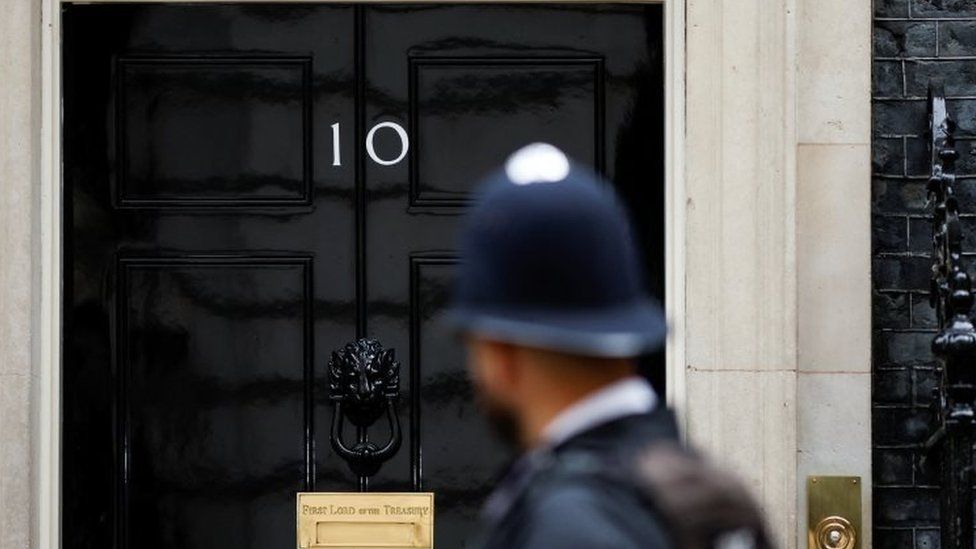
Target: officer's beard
(503, 422)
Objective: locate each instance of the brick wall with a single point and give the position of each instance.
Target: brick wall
(914, 41)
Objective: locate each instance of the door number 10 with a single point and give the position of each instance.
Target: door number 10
(370, 149)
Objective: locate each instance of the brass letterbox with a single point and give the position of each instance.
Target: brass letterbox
(350, 520)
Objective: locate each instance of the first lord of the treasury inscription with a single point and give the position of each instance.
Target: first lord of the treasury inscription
(376, 520)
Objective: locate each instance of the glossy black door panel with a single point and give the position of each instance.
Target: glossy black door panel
(213, 430)
(210, 257)
(472, 84)
(238, 203)
(249, 112)
(491, 103)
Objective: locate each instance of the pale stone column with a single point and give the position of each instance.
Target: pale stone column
(777, 283)
(833, 242)
(741, 321)
(20, 29)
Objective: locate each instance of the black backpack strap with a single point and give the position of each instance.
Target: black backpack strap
(707, 507)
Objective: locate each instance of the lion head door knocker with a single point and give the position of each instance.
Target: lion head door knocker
(364, 382)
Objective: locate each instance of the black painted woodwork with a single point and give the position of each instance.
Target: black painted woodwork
(215, 256)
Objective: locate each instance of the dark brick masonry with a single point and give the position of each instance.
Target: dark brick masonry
(914, 41)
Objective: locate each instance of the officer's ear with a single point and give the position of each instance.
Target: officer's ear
(499, 366)
(491, 365)
(508, 365)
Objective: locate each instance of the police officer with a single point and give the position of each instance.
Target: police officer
(551, 304)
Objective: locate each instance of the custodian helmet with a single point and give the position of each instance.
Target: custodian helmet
(549, 260)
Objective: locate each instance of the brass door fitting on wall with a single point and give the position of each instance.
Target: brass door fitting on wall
(834, 512)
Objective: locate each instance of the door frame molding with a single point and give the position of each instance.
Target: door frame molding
(47, 402)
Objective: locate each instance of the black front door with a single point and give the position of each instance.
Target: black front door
(248, 187)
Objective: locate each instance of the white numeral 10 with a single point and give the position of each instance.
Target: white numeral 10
(370, 148)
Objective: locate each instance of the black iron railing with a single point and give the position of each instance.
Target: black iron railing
(955, 344)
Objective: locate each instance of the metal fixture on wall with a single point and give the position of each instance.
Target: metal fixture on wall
(951, 445)
(834, 512)
(364, 382)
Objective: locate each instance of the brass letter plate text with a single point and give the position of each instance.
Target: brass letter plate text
(350, 520)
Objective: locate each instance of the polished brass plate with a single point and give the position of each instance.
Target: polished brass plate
(349, 520)
(834, 512)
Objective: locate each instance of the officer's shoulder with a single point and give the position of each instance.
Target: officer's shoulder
(581, 483)
(570, 511)
(569, 490)
(579, 511)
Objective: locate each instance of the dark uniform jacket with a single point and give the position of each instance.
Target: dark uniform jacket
(580, 494)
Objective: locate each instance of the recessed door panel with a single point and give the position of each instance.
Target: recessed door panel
(249, 113)
(489, 103)
(211, 429)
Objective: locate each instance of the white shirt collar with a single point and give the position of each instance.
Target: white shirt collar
(630, 396)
